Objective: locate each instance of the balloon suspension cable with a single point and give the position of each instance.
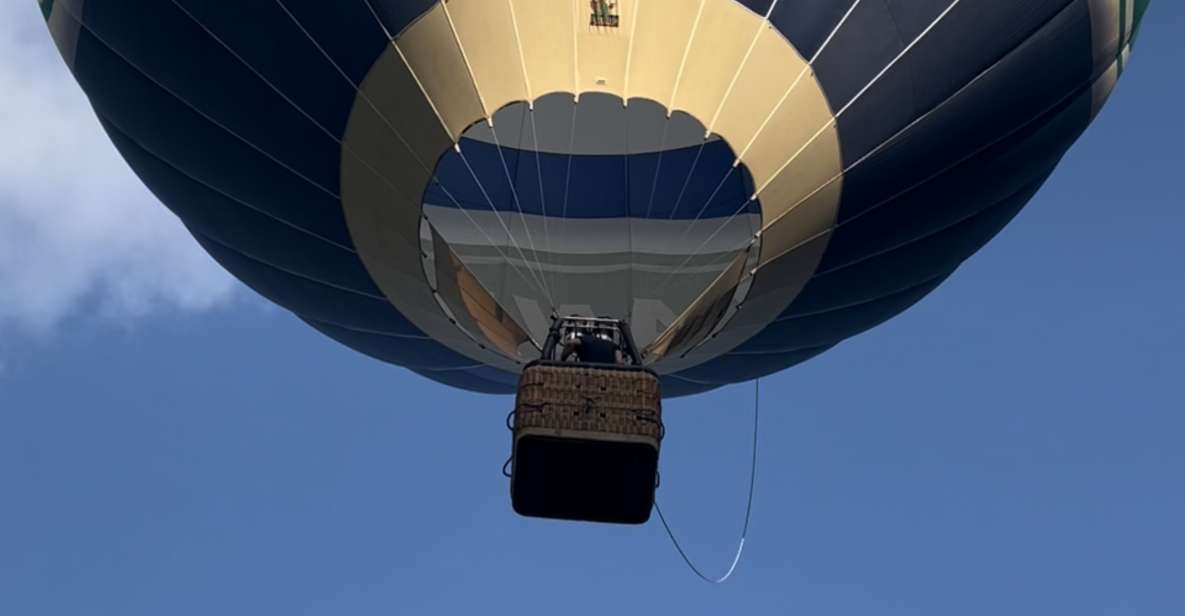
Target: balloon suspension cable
(736, 559)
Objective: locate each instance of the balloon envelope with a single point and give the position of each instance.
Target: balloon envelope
(748, 183)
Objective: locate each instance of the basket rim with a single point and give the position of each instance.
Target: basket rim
(551, 363)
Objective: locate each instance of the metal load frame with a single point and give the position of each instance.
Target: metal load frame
(564, 327)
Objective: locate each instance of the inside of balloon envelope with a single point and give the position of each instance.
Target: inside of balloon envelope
(590, 207)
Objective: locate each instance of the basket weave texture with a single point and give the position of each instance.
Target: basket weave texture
(604, 400)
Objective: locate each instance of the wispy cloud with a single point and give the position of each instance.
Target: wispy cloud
(76, 226)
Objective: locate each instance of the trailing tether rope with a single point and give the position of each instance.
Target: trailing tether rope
(736, 559)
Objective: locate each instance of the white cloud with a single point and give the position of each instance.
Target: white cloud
(77, 228)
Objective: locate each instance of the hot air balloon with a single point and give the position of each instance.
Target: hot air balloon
(747, 183)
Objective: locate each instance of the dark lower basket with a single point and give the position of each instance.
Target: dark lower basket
(586, 443)
(584, 479)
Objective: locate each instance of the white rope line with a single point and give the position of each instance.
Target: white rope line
(468, 66)
(522, 55)
(541, 278)
(686, 52)
(542, 193)
(518, 206)
(901, 132)
(835, 120)
(276, 89)
(695, 253)
(760, 129)
(568, 172)
(501, 222)
(70, 10)
(530, 104)
(670, 110)
(801, 74)
(736, 559)
(716, 116)
(752, 273)
(658, 167)
(230, 132)
(456, 145)
(687, 180)
(386, 121)
(576, 50)
(703, 208)
(629, 59)
(737, 75)
(629, 218)
(363, 96)
(905, 190)
(236, 135)
(830, 122)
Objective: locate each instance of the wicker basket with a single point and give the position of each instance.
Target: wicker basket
(586, 442)
(606, 403)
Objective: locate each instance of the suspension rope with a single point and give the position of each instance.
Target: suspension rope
(736, 559)
(568, 171)
(829, 123)
(695, 253)
(629, 205)
(502, 223)
(761, 129)
(511, 182)
(715, 116)
(457, 147)
(662, 146)
(542, 195)
(690, 174)
(364, 97)
(704, 208)
(752, 140)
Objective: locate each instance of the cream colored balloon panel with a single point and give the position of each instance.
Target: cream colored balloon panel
(709, 67)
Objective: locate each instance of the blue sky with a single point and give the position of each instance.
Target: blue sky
(169, 444)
